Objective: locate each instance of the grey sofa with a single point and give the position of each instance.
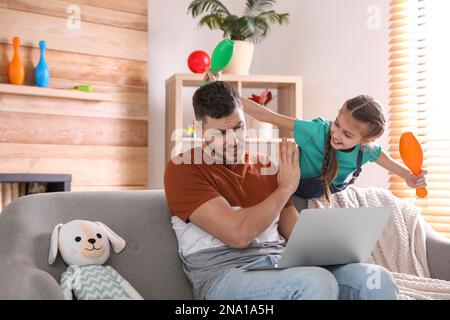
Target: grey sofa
(150, 261)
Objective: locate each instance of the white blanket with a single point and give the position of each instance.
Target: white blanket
(401, 247)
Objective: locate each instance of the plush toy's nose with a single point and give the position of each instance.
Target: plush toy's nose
(91, 241)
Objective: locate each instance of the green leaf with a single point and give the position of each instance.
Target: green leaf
(254, 7)
(213, 21)
(198, 7)
(275, 18)
(234, 27)
(260, 28)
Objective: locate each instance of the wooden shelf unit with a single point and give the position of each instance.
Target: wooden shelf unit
(289, 102)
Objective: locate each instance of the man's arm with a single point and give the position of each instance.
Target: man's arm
(238, 228)
(288, 218)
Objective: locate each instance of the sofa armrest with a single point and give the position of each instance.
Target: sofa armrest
(28, 283)
(438, 254)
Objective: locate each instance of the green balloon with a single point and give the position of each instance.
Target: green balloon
(222, 55)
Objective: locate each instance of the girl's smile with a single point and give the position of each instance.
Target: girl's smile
(335, 143)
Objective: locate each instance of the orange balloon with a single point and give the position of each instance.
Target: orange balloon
(412, 155)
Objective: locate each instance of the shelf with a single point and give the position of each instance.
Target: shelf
(53, 93)
(247, 81)
(288, 102)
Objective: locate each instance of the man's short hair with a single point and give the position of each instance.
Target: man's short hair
(217, 99)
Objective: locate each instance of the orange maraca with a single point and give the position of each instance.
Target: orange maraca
(412, 155)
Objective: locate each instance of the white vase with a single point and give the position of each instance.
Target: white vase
(242, 58)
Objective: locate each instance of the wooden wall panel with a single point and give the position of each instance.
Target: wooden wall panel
(69, 107)
(22, 127)
(107, 172)
(132, 97)
(91, 38)
(58, 8)
(79, 67)
(58, 151)
(133, 6)
(103, 144)
(89, 165)
(92, 168)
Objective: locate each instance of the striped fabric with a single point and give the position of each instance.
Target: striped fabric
(93, 282)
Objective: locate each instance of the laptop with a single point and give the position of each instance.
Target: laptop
(333, 236)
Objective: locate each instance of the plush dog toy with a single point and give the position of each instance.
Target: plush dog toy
(84, 246)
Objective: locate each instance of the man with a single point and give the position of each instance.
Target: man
(231, 209)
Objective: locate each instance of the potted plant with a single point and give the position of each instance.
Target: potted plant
(246, 31)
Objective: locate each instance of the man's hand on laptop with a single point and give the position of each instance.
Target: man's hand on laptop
(289, 168)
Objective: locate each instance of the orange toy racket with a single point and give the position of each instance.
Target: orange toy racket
(412, 155)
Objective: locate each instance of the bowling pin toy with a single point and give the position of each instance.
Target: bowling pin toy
(42, 73)
(16, 70)
(412, 155)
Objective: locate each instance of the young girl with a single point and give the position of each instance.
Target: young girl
(332, 153)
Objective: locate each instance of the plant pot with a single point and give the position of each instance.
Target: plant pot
(242, 58)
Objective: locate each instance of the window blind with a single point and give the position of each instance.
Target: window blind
(412, 107)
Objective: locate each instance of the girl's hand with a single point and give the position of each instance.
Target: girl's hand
(416, 181)
(209, 77)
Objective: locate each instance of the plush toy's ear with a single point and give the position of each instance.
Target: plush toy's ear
(54, 244)
(118, 244)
